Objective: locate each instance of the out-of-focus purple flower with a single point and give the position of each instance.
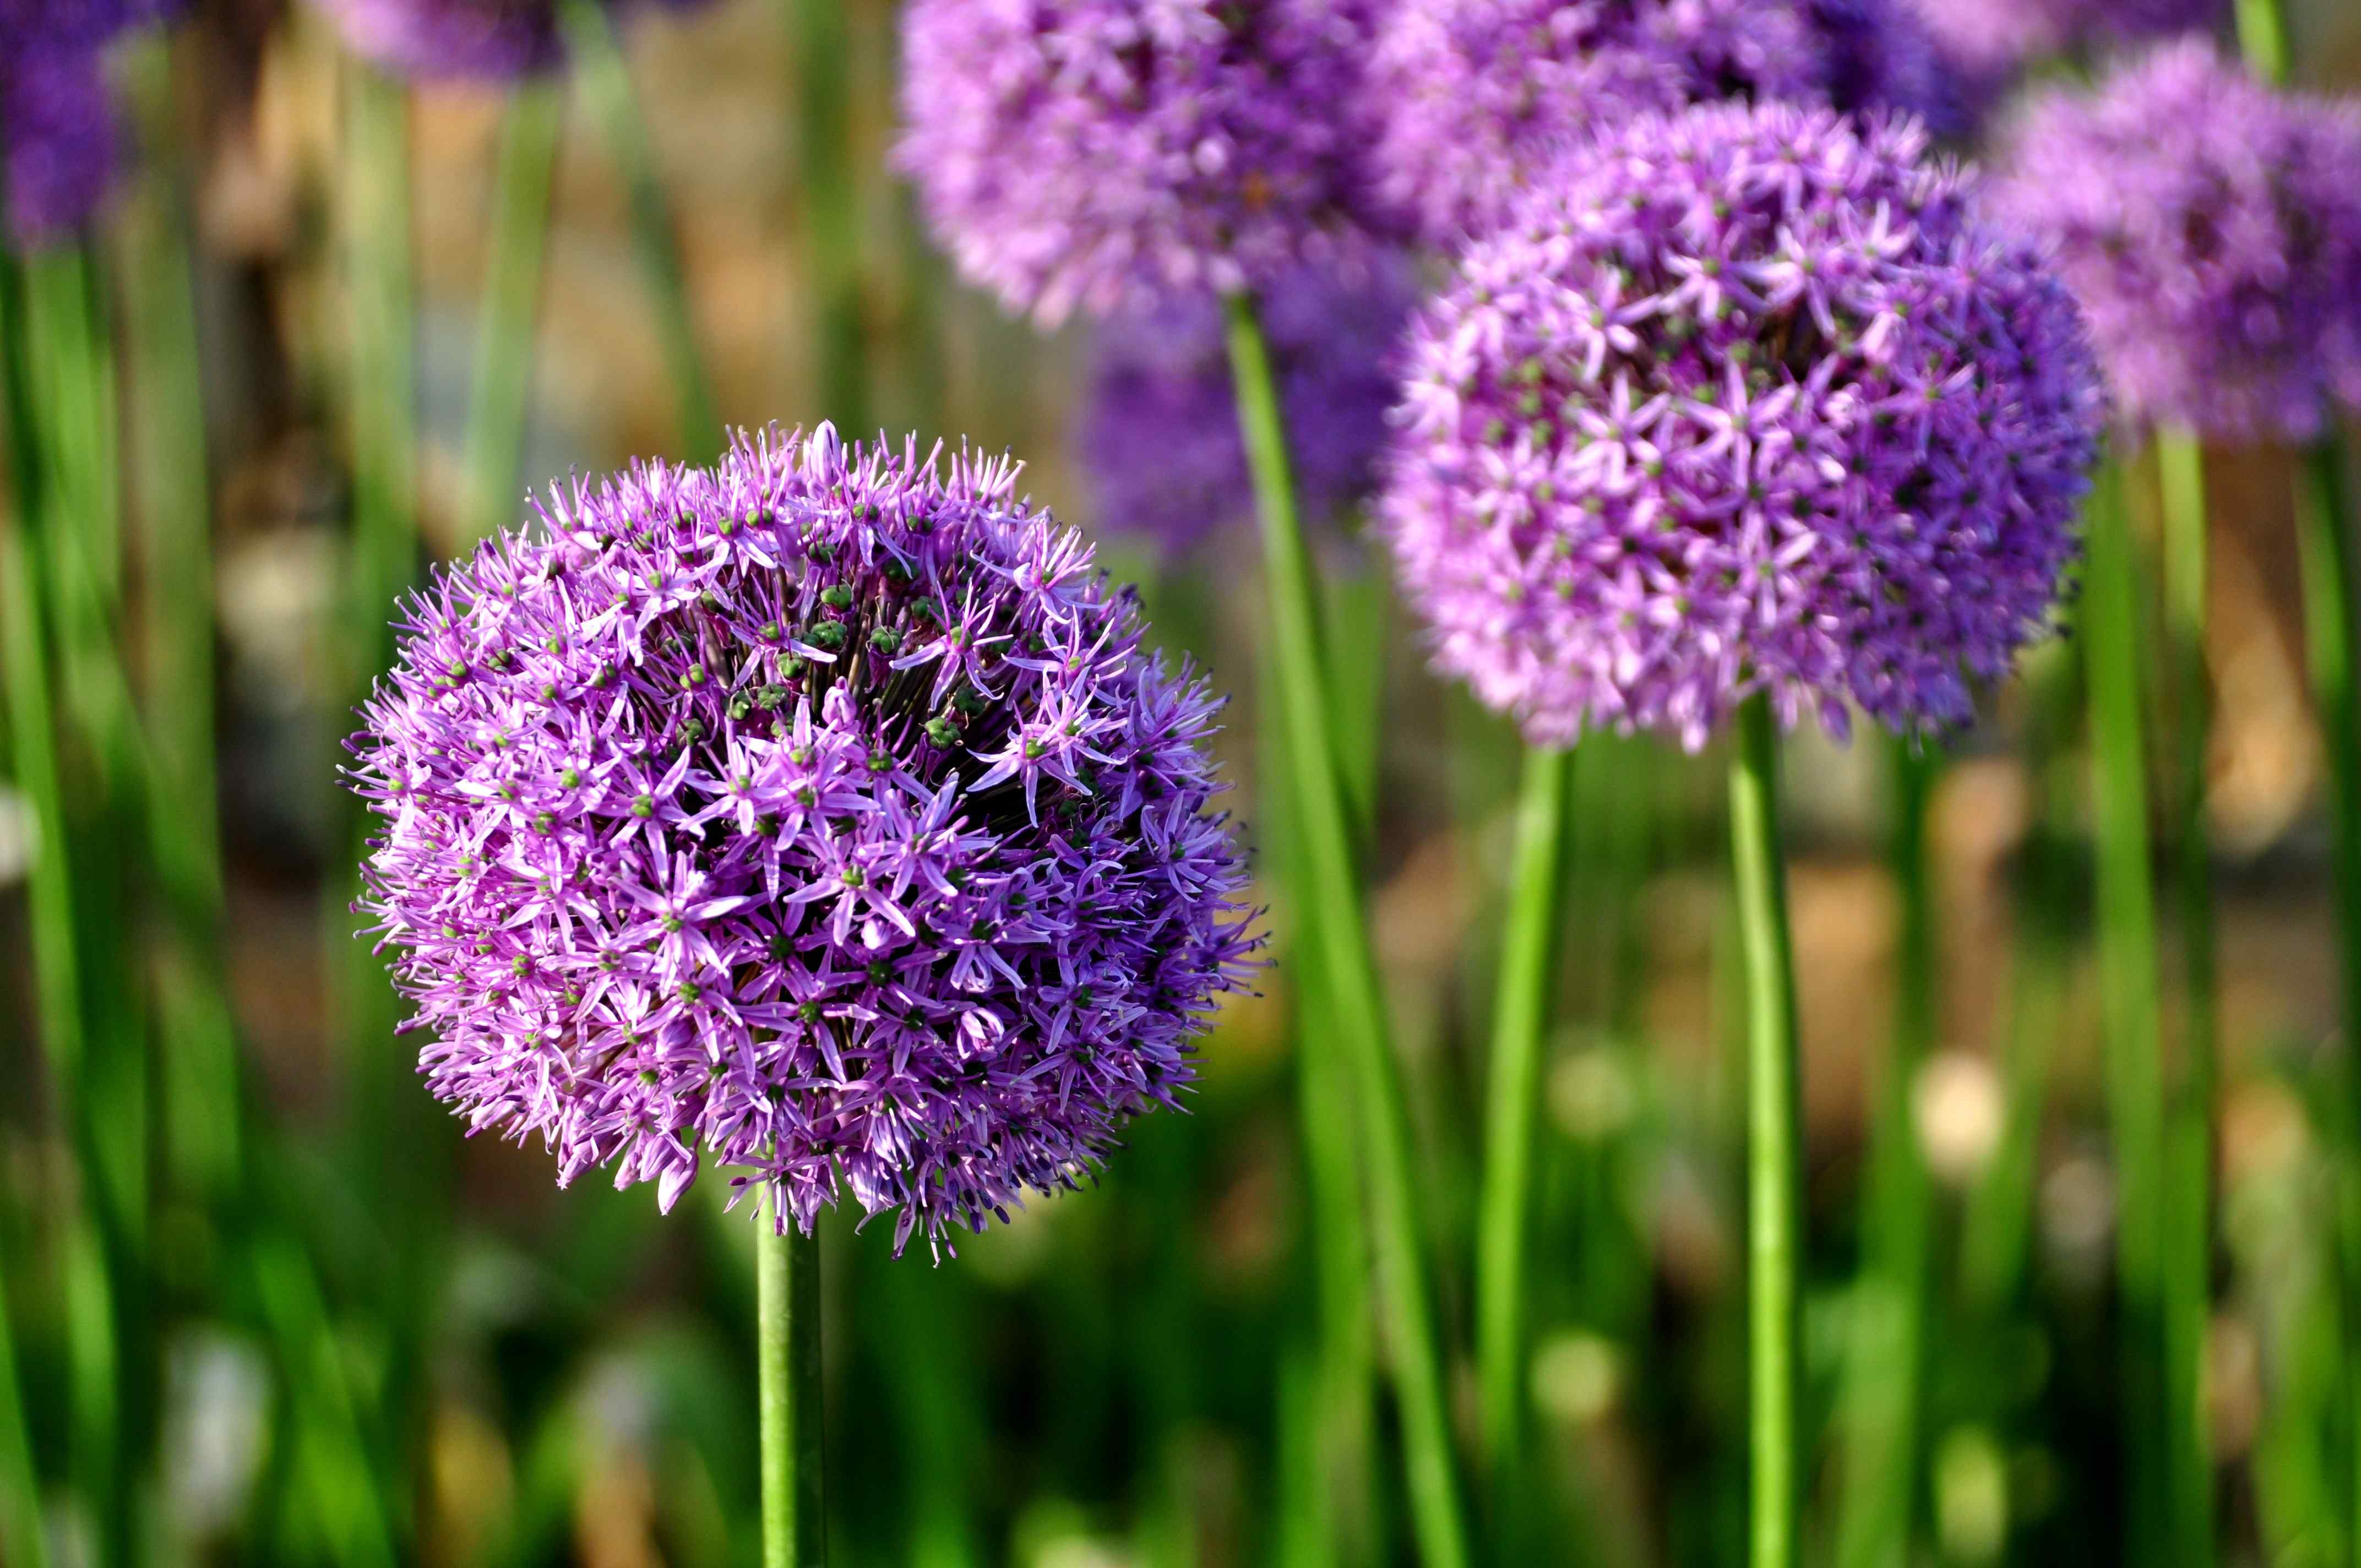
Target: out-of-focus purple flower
(1880, 54)
(481, 40)
(1989, 38)
(1746, 398)
(822, 814)
(2211, 228)
(1159, 434)
(1472, 98)
(57, 123)
(1101, 153)
(1469, 99)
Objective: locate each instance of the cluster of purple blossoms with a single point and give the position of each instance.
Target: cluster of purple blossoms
(1100, 153)
(2211, 228)
(1471, 99)
(822, 811)
(480, 40)
(1742, 399)
(1159, 434)
(1991, 37)
(57, 122)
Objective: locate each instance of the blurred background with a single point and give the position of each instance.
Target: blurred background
(304, 1320)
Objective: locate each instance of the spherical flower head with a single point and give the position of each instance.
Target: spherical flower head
(1100, 153)
(1471, 99)
(1986, 37)
(822, 814)
(1159, 427)
(1744, 399)
(478, 40)
(2212, 229)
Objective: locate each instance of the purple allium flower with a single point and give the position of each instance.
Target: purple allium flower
(1991, 37)
(1159, 434)
(481, 40)
(1099, 153)
(1746, 398)
(1472, 98)
(57, 122)
(1881, 54)
(2211, 228)
(823, 812)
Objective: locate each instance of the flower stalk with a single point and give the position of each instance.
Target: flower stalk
(786, 1274)
(1332, 901)
(1775, 1143)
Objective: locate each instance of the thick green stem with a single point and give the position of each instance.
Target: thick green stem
(505, 338)
(1775, 1142)
(1334, 920)
(1521, 1017)
(829, 210)
(2262, 38)
(606, 79)
(2130, 986)
(1884, 1367)
(786, 1352)
(2188, 1230)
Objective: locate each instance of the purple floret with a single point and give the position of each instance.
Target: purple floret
(1097, 154)
(480, 40)
(1744, 399)
(2211, 228)
(1159, 434)
(57, 122)
(822, 814)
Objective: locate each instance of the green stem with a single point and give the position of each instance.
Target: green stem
(2188, 1232)
(606, 79)
(1334, 920)
(786, 1352)
(2331, 621)
(830, 209)
(504, 330)
(2262, 38)
(1884, 1367)
(1521, 1017)
(1995, 1248)
(1774, 1151)
(2129, 987)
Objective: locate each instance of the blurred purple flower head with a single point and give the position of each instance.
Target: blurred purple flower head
(1746, 398)
(57, 119)
(481, 40)
(2211, 228)
(1989, 38)
(1101, 153)
(1472, 98)
(822, 813)
(1881, 54)
(1159, 435)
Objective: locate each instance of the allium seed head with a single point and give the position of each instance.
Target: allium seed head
(2212, 229)
(1099, 153)
(1745, 398)
(822, 814)
(1159, 428)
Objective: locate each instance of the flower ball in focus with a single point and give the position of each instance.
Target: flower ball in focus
(1159, 427)
(1744, 399)
(823, 815)
(2212, 229)
(1099, 153)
